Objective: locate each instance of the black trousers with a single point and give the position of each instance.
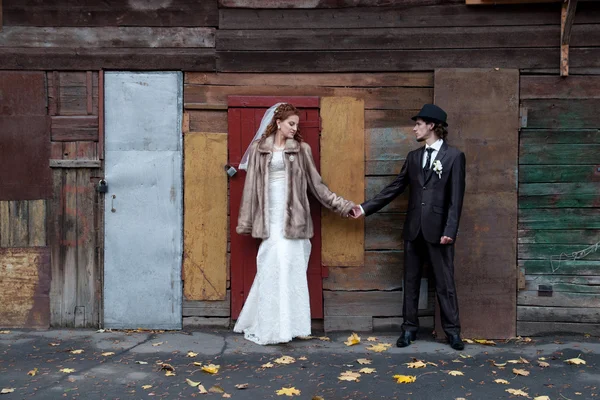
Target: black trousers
(441, 259)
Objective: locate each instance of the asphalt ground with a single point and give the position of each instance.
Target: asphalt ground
(138, 367)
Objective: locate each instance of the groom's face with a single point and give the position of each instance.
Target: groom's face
(423, 130)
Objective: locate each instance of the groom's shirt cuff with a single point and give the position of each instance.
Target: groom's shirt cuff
(361, 210)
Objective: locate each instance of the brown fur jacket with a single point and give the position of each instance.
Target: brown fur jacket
(301, 173)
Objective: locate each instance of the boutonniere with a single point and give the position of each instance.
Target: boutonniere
(437, 168)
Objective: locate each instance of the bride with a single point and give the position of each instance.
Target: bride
(274, 208)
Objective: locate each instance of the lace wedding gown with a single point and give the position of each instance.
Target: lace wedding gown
(277, 308)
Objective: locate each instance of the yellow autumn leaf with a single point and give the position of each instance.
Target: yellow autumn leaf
(519, 361)
(191, 354)
(469, 341)
(455, 373)
(211, 368)
(371, 339)
(485, 341)
(141, 362)
(465, 356)
(241, 386)
(4, 332)
(366, 370)
(226, 395)
(499, 365)
(157, 344)
(543, 364)
(352, 340)
(197, 364)
(520, 372)
(324, 338)
(285, 360)
(542, 358)
(503, 381)
(575, 361)
(169, 373)
(216, 389)
(349, 376)
(268, 365)
(76, 351)
(202, 389)
(378, 348)
(33, 372)
(108, 353)
(517, 392)
(146, 387)
(404, 378)
(541, 398)
(302, 358)
(67, 370)
(416, 364)
(288, 392)
(53, 344)
(363, 361)
(7, 390)
(192, 383)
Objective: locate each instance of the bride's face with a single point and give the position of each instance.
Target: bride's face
(289, 126)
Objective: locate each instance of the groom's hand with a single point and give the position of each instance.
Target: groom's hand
(446, 240)
(356, 212)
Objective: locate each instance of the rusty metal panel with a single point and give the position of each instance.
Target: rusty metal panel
(24, 287)
(483, 118)
(25, 139)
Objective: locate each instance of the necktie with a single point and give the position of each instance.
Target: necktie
(428, 160)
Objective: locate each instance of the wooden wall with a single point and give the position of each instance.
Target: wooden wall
(559, 205)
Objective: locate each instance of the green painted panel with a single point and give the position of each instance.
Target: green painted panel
(559, 173)
(560, 154)
(559, 195)
(563, 114)
(533, 251)
(565, 283)
(565, 267)
(544, 189)
(530, 137)
(560, 218)
(567, 236)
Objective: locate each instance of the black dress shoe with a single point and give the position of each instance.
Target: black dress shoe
(455, 342)
(405, 339)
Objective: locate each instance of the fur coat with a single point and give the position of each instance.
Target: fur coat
(301, 175)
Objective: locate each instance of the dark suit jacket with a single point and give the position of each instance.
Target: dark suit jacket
(435, 202)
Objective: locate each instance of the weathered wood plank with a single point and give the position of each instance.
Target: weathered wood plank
(327, 3)
(108, 58)
(559, 154)
(383, 270)
(385, 79)
(110, 13)
(530, 137)
(527, 328)
(559, 195)
(563, 113)
(374, 98)
(558, 299)
(403, 38)
(75, 163)
(570, 236)
(4, 224)
(375, 184)
(394, 324)
(561, 218)
(384, 231)
(74, 128)
(122, 37)
(349, 323)
(24, 282)
(205, 217)
(342, 167)
(216, 308)
(37, 223)
(208, 121)
(55, 218)
(558, 173)
(534, 251)
(556, 87)
(558, 314)
(560, 267)
(204, 321)
(69, 245)
(69, 94)
(373, 304)
(19, 223)
(565, 283)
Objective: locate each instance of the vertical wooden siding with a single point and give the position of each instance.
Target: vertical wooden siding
(559, 205)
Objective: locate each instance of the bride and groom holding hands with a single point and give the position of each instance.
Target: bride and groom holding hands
(275, 208)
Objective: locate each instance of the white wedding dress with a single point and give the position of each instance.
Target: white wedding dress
(278, 308)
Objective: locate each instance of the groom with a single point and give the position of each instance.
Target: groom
(436, 176)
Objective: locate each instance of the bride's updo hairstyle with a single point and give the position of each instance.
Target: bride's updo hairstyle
(283, 112)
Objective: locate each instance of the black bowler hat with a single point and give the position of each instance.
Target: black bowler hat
(431, 112)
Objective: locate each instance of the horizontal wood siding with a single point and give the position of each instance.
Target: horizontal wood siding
(559, 206)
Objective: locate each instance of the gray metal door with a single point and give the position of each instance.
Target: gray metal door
(143, 205)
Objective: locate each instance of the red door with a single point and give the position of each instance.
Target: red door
(244, 116)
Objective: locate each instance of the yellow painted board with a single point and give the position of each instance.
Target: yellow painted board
(205, 216)
(343, 170)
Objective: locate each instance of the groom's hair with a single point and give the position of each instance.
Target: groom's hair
(440, 131)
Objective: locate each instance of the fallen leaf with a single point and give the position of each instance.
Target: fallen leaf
(226, 395)
(108, 353)
(146, 387)
(517, 392)
(469, 341)
(4, 332)
(167, 367)
(141, 362)
(363, 361)
(288, 392)
(33, 372)
(366, 370)
(503, 381)
(455, 373)
(201, 389)
(543, 364)
(378, 348)
(324, 338)
(101, 331)
(317, 398)
(157, 344)
(371, 339)
(76, 351)
(192, 383)
(416, 364)
(519, 361)
(268, 365)
(169, 373)
(302, 358)
(500, 365)
(352, 340)
(191, 354)
(216, 389)
(211, 368)
(285, 360)
(7, 390)
(197, 364)
(53, 344)
(405, 378)
(520, 372)
(241, 386)
(541, 398)
(465, 356)
(67, 370)
(575, 361)
(485, 341)
(349, 376)
(542, 358)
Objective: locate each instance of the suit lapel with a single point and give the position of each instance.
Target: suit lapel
(439, 157)
(419, 166)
